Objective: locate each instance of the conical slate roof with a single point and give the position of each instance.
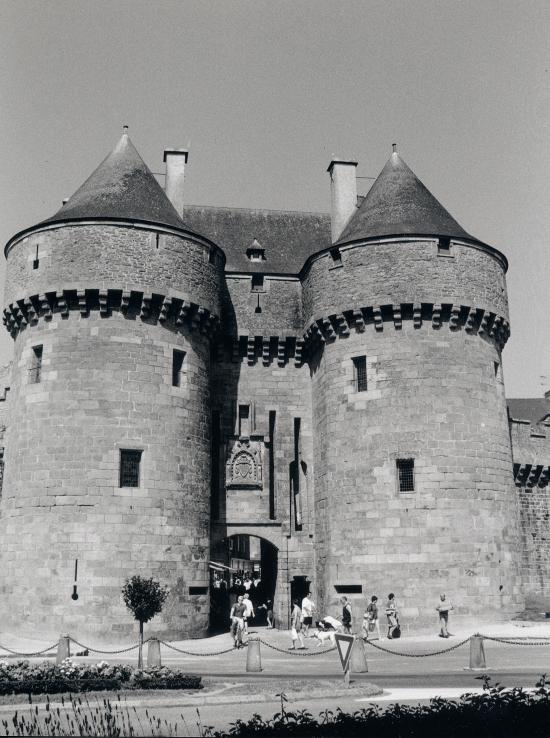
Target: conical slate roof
(121, 188)
(399, 204)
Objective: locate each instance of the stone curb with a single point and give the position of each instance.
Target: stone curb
(211, 699)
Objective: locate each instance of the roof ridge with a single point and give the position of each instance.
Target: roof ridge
(256, 210)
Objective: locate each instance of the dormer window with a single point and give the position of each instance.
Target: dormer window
(256, 251)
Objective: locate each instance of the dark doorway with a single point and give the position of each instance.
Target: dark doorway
(299, 587)
(241, 563)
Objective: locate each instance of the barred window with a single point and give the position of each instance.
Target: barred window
(177, 367)
(257, 283)
(405, 472)
(360, 371)
(129, 468)
(35, 370)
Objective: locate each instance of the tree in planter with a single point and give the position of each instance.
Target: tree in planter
(144, 598)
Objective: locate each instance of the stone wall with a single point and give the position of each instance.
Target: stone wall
(405, 271)
(115, 256)
(435, 394)
(284, 391)
(106, 384)
(531, 449)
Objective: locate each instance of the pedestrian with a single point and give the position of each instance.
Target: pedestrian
(346, 614)
(248, 612)
(296, 627)
(237, 622)
(371, 620)
(443, 607)
(268, 607)
(392, 615)
(308, 606)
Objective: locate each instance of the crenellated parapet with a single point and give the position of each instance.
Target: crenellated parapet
(473, 320)
(172, 308)
(265, 350)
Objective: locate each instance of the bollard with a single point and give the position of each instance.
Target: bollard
(153, 652)
(63, 648)
(253, 656)
(358, 659)
(477, 652)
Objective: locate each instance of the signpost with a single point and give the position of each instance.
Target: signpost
(344, 644)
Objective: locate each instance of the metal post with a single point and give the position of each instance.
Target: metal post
(153, 652)
(477, 652)
(253, 656)
(63, 648)
(358, 659)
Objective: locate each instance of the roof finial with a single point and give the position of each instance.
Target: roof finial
(394, 147)
(124, 129)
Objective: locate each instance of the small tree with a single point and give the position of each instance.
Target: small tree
(144, 598)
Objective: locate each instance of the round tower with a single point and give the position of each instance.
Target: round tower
(111, 304)
(406, 319)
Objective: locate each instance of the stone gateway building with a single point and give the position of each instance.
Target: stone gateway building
(317, 397)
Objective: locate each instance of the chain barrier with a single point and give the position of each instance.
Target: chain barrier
(512, 642)
(419, 655)
(97, 650)
(289, 652)
(36, 653)
(190, 653)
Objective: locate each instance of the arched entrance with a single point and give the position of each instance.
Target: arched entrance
(242, 563)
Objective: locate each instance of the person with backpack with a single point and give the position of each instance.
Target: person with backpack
(394, 631)
(371, 620)
(346, 615)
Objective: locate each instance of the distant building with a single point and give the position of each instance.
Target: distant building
(186, 377)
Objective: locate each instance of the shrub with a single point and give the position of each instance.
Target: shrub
(496, 713)
(23, 677)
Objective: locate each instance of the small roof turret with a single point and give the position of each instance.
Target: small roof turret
(121, 188)
(398, 204)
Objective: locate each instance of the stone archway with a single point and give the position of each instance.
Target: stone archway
(237, 560)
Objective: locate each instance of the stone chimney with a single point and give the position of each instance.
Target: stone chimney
(343, 194)
(176, 160)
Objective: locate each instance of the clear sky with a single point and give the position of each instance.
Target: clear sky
(264, 92)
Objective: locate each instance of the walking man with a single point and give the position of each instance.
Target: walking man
(443, 607)
(248, 611)
(346, 615)
(392, 614)
(296, 627)
(308, 606)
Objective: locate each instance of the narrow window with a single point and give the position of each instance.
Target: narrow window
(129, 468)
(405, 472)
(35, 370)
(257, 283)
(244, 420)
(36, 260)
(1, 470)
(498, 371)
(336, 257)
(360, 373)
(444, 247)
(177, 367)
